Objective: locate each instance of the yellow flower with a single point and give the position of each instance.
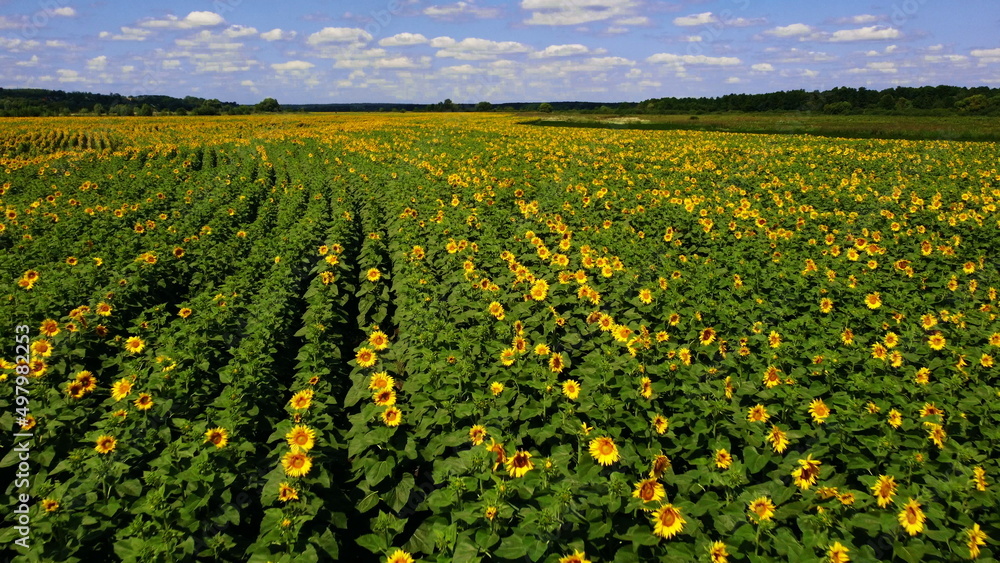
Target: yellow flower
(519, 464)
(477, 434)
(301, 437)
(144, 402)
(217, 436)
(604, 450)
(873, 300)
(287, 492)
(778, 439)
(392, 416)
(649, 490)
(819, 410)
(717, 552)
(976, 539)
(806, 475)
(912, 518)
(575, 557)
(838, 553)
(660, 423)
(496, 388)
(723, 459)
(106, 444)
(884, 489)
(296, 463)
(761, 509)
(121, 389)
(301, 400)
(366, 357)
(373, 275)
(667, 521)
(134, 345)
(571, 388)
(399, 556)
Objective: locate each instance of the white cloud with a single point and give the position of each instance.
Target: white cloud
(576, 12)
(986, 55)
(171, 64)
(65, 11)
(460, 10)
(561, 51)
(127, 34)
(938, 47)
(733, 80)
(670, 58)
(127, 68)
(98, 63)
(634, 20)
(403, 39)
(946, 58)
(792, 30)
(277, 34)
(461, 70)
(692, 38)
(703, 18)
(192, 20)
(33, 61)
(870, 33)
(763, 67)
(7, 23)
(884, 67)
(339, 35)
(857, 20)
(402, 62)
(473, 48)
(292, 65)
(745, 22)
(66, 75)
(235, 31)
(441, 42)
(247, 83)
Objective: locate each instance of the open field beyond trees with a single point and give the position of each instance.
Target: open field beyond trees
(300, 337)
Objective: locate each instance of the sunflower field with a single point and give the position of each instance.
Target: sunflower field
(459, 338)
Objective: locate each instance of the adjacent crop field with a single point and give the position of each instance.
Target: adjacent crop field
(456, 338)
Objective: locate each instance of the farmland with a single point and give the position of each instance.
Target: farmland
(458, 338)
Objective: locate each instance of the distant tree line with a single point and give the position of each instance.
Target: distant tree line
(43, 103)
(924, 100)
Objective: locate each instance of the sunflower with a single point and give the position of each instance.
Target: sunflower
(373, 275)
(106, 444)
(556, 363)
(29, 422)
(378, 340)
(301, 437)
(922, 377)
(604, 450)
(296, 463)
(301, 400)
(649, 490)
(477, 434)
(819, 411)
(571, 388)
(717, 552)
(806, 475)
(761, 509)
(144, 402)
(912, 518)
(772, 377)
(50, 505)
(976, 539)
(774, 339)
(895, 418)
(646, 387)
(930, 409)
(778, 439)
(496, 388)
(497, 448)
(825, 305)
(937, 341)
(75, 389)
(539, 290)
(399, 556)
(723, 459)
(575, 557)
(103, 309)
(837, 553)
(134, 345)
(366, 357)
(217, 436)
(41, 348)
(384, 397)
(667, 521)
(884, 489)
(660, 423)
(287, 492)
(707, 336)
(392, 416)
(659, 467)
(758, 413)
(88, 381)
(979, 478)
(520, 464)
(873, 300)
(184, 313)
(646, 296)
(490, 513)
(936, 434)
(847, 337)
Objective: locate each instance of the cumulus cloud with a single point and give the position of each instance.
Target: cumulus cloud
(98, 63)
(561, 51)
(339, 35)
(576, 12)
(234, 31)
(703, 18)
(127, 34)
(292, 65)
(986, 55)
(474, 48)
(192, 20)
(277, 34)
(670, 58)
(792, 30)
(857, 20)
(403, 40)
(870, 33)
(33, 61)
(65, 11)
(763, 67)
(402, 63)
(66, 75)
(460, 10)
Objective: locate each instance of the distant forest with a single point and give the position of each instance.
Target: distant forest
(924, 100)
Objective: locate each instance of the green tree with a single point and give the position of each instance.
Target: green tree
(484, 106)
(545, 107)
(267, 105)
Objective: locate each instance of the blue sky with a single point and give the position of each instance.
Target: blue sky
(472, 50)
